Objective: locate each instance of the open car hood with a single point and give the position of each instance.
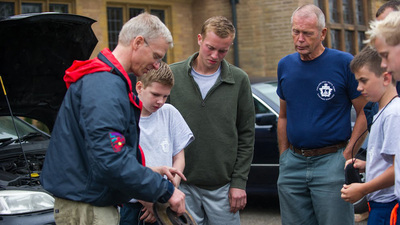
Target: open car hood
(36, 49)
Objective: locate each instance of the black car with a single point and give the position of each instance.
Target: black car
(36, 49)
(265, 166)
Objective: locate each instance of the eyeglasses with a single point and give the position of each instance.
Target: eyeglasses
(156, 56)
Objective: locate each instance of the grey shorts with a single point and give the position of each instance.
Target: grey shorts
(209, 207)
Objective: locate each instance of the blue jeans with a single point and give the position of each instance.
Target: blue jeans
(309, 190)
(380, 212)
(130, 214)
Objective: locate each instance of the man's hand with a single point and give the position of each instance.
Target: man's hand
(170, 172)
(148, 213)
(237, 199)
(177, 202)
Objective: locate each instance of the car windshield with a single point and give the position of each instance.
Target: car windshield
(7, 129)
(268, 89)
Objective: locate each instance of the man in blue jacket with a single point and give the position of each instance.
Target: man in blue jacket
(94, 161)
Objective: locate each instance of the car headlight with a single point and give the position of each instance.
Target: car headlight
(17, 202)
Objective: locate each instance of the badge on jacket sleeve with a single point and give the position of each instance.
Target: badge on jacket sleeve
(117, 141)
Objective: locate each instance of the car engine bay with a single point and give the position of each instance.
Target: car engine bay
(21, 170)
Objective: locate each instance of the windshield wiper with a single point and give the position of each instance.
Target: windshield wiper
(30, 135)
(2, 140)
(7, 141)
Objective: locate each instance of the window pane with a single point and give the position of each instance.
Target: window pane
(350, 46)
(114, 21)
(31, 8)
(360, 12)
(320, 4)
(343, 13)
(333, 11)
(61, 8)
(135, 11)
(9, 130)
(347, 11)
(159, 13)
(335, 37)
(6, 9)
(361, 38)
(260, 108)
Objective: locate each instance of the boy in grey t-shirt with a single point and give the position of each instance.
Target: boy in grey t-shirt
(377, 86)
(163, 136)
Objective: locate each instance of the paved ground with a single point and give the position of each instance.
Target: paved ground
(262, 210)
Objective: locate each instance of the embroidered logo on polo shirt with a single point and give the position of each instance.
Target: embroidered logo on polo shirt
(117, 141)
(165, 145)
(326, 90)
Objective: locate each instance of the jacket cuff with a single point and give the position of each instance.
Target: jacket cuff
(167, 195)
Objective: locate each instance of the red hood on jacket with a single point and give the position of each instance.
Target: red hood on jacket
(79, 69)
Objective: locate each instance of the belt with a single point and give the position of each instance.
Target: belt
(308, 152)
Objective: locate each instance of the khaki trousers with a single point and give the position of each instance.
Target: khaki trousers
(68, 212)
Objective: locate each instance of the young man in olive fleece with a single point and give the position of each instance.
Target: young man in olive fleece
(216, 101)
